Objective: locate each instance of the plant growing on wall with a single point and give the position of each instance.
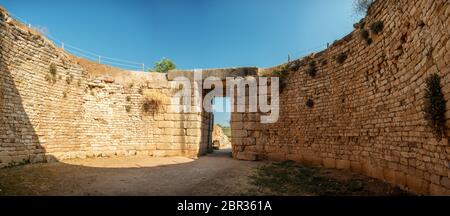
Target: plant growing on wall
(154, 102)
(141, 90)
(310, 103)
(434, 106)
(377, 27)
(341, 57)
(69, 79)
(365, 35)
(312, 70)
(128, 108)
(52, 74)
(294, 66)
(282, 74)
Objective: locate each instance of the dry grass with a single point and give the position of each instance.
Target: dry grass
(94, 68)
(154, 102)
(292, 179)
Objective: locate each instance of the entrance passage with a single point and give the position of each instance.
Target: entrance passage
(221, 138)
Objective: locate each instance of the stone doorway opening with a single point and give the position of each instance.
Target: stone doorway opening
(221, 133)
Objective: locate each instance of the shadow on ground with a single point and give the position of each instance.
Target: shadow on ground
(213, 175)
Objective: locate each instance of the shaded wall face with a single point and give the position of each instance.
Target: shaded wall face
(71, 113)
(367, 114)
(18, 139)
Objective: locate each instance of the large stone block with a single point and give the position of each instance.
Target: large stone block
(417, 184)
(239, 133)
(247, 156)
(166, 124)
(329, 163)
(194, 132)
(343, 164)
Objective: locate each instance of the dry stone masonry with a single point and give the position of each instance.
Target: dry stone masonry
(357, 105)
(66, 112)
(363, 108)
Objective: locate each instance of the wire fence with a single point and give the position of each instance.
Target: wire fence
(89, 55)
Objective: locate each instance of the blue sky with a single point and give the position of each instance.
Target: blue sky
(219, 107)
(193, 33)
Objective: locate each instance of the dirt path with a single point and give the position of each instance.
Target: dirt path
(213, 175)
(216, 174)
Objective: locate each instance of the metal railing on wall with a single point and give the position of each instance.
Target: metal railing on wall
(89, 55)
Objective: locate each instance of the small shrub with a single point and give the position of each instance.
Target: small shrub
(180, 87)
(434, 107)
(141, 90)
(64, 95)
(365, 34)
(283, 84)
(128, 98)
(341, 58)
(377, 27)
(53, 70)
(128, 108)
(280, 72)
(310, 103)
(147, 106)
(294, 66)
(362, 24)
(154, 102)
(69, 79)
(312, 71)
(52, 74)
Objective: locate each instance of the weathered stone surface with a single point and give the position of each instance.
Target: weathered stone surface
(79, 113)
(367, 114)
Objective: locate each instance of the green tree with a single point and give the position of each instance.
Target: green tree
(164, 66)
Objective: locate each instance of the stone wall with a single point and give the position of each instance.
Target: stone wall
(367, 114)
(74, 113)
